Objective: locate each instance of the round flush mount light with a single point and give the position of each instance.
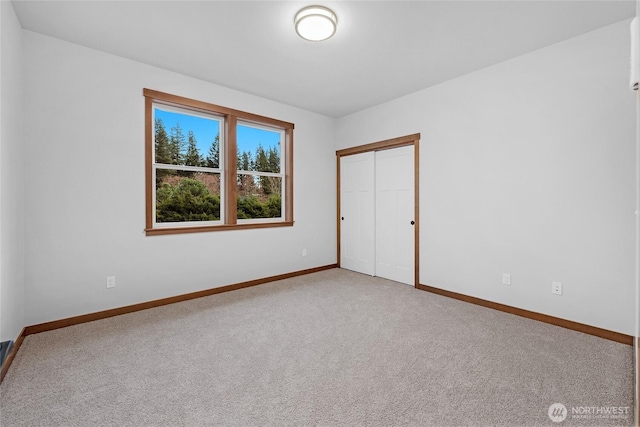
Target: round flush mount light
(316, 23)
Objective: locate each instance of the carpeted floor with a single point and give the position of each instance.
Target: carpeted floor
(334, 348)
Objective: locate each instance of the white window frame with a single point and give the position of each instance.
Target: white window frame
(219, 170)
(280, 175)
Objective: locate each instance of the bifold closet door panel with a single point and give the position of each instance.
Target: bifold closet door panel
(394, 214)
(357, 226)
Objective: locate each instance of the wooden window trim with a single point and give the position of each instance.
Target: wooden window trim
(205, 107)
(231, 165)
(231, 117)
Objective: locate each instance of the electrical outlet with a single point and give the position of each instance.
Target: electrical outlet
(304, 252)
(506, 279)
(556, 288)
(111, 282)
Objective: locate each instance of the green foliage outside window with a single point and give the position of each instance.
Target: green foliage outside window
(252, 207)
(189, 200)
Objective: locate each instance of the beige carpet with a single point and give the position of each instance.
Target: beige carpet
(333, 348)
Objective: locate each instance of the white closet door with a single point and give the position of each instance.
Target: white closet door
(395, 210)
(357, 213)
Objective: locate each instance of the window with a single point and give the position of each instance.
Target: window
(214, 168)
(259, 185)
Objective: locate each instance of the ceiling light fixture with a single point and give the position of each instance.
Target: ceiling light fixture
(316, 23)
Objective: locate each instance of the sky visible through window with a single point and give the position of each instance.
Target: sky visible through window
(205, 131)
(248, 138)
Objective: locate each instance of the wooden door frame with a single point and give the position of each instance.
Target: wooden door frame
(386, 145)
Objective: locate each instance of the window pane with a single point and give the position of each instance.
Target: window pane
(259, 197)
(258, 149)
(186, 139)
(183, 196)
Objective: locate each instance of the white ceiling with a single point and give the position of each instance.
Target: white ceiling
(382, 49)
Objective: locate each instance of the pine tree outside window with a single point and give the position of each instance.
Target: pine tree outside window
(260, 179)
(212, 168)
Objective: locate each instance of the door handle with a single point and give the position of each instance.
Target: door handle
(342, 218)
(413, 222)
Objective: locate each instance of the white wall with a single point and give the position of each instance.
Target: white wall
(527, 167)
(84, 135)
(11, 176)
